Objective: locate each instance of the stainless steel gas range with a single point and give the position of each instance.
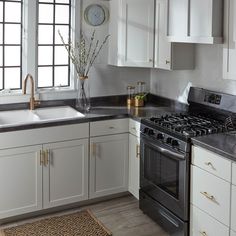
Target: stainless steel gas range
(165, 156)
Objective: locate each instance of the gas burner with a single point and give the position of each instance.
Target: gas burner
(187, 125)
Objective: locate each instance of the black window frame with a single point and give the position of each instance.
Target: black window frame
(54, 3)
(3, 67)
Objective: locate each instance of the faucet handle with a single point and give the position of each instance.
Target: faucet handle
(34, 103)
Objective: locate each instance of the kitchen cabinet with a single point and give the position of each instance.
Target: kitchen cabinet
(202, 224)
(233, 208)
(108, 165)
(20, 181)
(108, 157)
(138, 37)
(195, 21)
(213, 193)
(65, 174)
(36, 177)
(134, 157)
(132, 33)
(229, 50)
(169, 56)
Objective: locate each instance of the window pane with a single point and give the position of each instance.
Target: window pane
(12, 12)
(61, 55)
(1, 11)
(44, 76)
(12, 55)
(0, 33)
(62, 14)
(12, 34)
(64, 30)
(45, 34)
(61, 76)
(46, 1)
(0, 55)
(45, 13)
(63, 1)
(12, 78)
(45, 55)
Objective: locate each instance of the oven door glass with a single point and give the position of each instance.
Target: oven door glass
(162, 171)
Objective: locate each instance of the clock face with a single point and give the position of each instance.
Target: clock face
(95, 15)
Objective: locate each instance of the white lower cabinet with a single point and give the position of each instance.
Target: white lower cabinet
(134, 158)
(65, 175)
(233, 208)
(203, 224)
(108, 165)
(20, 181)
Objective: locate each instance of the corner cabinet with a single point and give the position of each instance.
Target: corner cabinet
(108, 157)
(138, 40)
(195, 21)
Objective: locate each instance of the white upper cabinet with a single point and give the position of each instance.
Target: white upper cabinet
(138, 30)
(132, 33)
(195, 21)
(169, 56)
(229, 52)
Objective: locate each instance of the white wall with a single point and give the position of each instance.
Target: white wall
(104, 79)
(207, 74)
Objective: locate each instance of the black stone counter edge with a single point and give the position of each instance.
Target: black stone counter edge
(214, 149)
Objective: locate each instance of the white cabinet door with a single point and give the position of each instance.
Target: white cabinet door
(65, 176)
(233, 208)
(138, 31)
(108, 165)
(20, 181)
(134, 158)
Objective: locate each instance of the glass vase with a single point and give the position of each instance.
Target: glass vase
(83, 94)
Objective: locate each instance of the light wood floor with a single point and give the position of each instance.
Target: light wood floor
(121, 216)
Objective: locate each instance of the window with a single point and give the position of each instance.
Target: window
(53, 61)
(10, 44)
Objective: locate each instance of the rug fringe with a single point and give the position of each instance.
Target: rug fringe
(99, 222)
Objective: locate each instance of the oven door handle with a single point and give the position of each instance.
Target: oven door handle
(164, 150)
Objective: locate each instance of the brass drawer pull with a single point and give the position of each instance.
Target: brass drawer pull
(41, 158)
(138, 151)
(210, 197)
(210, 165)
(203, 233)
(133, 128)
(47, 156)
(93, 147)
(111, 127)
(167, 62)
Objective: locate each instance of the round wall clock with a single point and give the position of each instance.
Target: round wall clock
(96, 14)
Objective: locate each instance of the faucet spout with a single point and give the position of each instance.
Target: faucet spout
(33, 102)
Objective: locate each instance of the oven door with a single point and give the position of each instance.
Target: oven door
(165, 176)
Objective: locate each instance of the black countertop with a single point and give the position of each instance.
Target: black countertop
(223, 144)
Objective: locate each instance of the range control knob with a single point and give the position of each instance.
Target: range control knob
(175, 143)
(169, 140)
(150, 132)
(160, 136)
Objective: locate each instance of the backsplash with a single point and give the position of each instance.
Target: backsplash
(207, 74)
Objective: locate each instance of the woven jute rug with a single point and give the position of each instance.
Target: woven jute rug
(82, 223)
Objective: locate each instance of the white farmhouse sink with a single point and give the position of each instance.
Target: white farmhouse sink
(17, 117)
(57, 113)
(41, 115)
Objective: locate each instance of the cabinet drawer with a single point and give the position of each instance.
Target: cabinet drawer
(210, 194)
(134, 127)
(232, 233)
(212, 163)
(201, 223)
(234, 174)
(233, 208)
(107, 127)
